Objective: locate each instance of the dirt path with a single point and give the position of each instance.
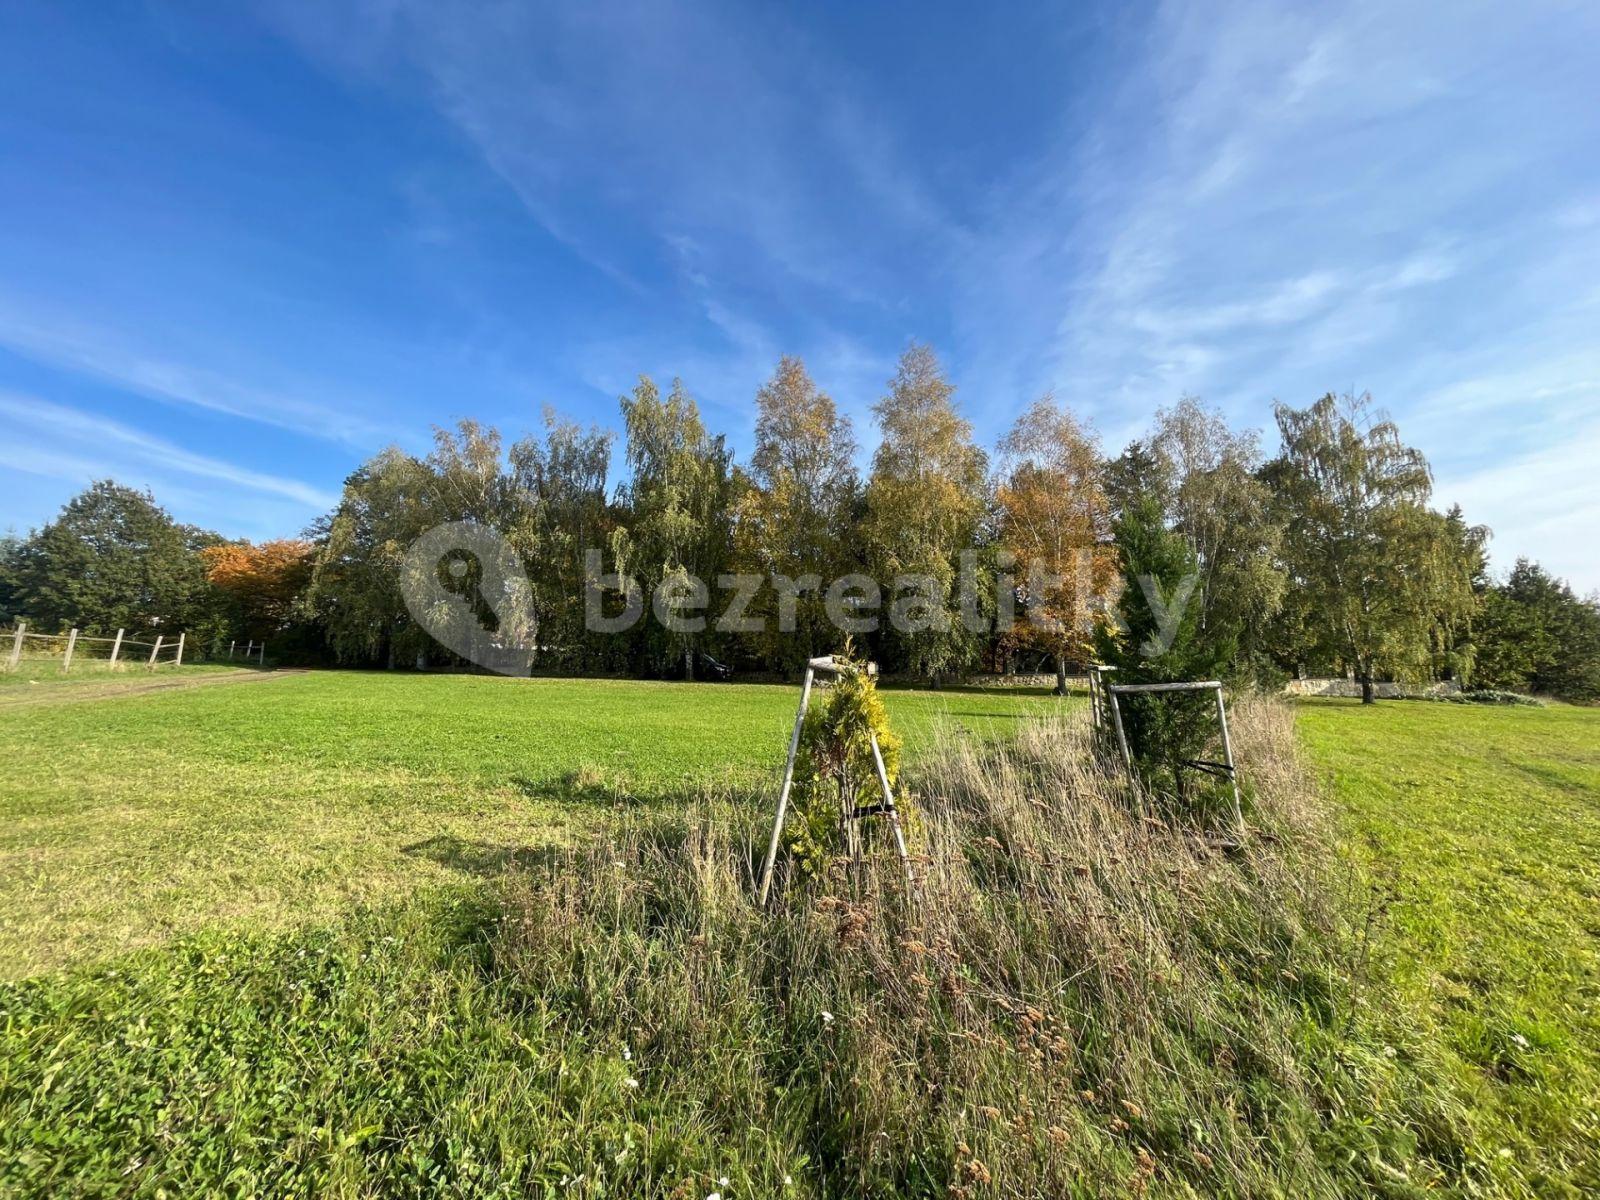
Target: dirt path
(46, 694)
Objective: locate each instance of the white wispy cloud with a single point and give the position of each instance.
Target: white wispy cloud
(30, 457)
(1546, 498)
(52, 425)
(628, 130)
(1282, 200)
(115, 358)
(1261, 202)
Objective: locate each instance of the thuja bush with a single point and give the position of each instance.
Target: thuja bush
(835, 773)
(1165, 732)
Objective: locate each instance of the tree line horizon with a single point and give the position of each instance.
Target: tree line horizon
(1326, 557)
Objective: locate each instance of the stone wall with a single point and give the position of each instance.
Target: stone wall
(1074, 682)
(1351, 687)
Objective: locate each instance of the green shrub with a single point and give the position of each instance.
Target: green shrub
(835, 772)
(1491, 697)
(1488, 696)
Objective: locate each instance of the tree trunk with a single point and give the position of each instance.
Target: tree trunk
(1061, 675)
(688, 664)
(1368, 696)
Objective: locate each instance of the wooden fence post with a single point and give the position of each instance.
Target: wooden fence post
(262, 659)
(154, 650)
(231, 645)
(16, 644)
(72, 641)
(178, 662)
(1122, 736)
(116, 649)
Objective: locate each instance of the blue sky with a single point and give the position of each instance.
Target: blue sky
(239, 254)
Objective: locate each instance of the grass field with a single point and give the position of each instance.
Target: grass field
(132, 817)
(34, 678)
(1479, 828)
(335, 996)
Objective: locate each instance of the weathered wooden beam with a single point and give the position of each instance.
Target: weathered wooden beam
(1122, 736)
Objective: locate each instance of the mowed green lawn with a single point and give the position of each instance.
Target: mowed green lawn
(1478, 830)
(126, 818)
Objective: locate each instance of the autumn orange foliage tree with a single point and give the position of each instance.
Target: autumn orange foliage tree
(1054, 518)
(263, 580)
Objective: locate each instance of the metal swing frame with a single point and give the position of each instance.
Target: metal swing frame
(1222, 770)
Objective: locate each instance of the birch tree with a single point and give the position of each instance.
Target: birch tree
(793, 521)
(1213, 496)
(1368, 563)
(925, 504)
(562, 481)
(678, 502)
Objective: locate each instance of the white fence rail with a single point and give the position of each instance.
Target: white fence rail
(251, 649)
(74, 648)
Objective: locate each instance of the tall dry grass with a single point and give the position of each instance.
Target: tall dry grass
(1086, 998)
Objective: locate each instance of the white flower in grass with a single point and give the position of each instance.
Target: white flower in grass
(630, 1081)
(827, 1017)
(627, 1054)
(723, 1182)
(713, 1196)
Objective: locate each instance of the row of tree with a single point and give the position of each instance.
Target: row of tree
(114, 559)
(1325, 557)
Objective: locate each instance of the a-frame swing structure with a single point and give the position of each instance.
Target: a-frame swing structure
(1109, 692)
(827, 664)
